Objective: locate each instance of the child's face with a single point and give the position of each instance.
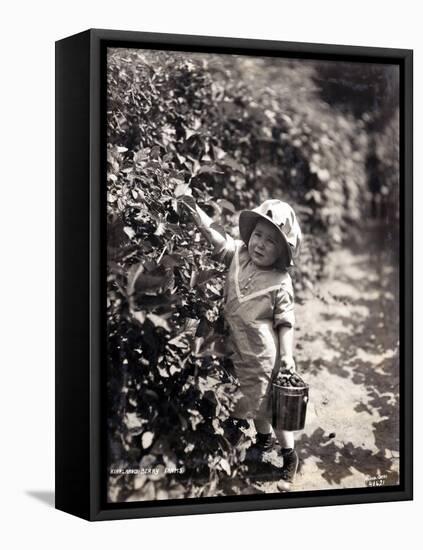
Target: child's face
(263, 246)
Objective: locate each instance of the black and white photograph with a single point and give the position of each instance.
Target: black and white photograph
(210, 241)
(253, 275)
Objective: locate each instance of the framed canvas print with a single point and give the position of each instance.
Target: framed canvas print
(234, 274)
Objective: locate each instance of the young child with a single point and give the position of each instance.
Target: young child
(259, 310)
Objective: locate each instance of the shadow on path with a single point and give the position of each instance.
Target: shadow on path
(356, 339)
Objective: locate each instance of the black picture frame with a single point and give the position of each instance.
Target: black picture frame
(80, 269)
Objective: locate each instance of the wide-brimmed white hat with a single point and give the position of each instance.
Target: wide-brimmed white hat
(281, 216)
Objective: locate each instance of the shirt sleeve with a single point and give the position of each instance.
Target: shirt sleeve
(284, 314)
(226, 252)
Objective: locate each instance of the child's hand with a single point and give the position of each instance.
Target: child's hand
(288, 363)
(212, 232)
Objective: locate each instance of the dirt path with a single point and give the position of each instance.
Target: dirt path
(347, 350)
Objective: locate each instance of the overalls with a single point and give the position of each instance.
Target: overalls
(257, 301)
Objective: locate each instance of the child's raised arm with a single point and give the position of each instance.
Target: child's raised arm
(204, 223)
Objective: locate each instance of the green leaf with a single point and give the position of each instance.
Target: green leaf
(182, 189)
(218, 152)
(161, 229)
(172, 260)
(209, 169)
(142, 155)
(233, 164)
(133, 273)
(193, 279)
(189, 132)
(134, 423)
(225, 466)
(205, 275)
(147, 282)
(147, 439)
(139, 316)
(226, 205)
(179, 342)
(159, 321)
(129, 231)
(152, 302)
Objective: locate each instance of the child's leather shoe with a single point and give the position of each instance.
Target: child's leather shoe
(289, 469)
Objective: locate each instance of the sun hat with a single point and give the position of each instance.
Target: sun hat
(281, 216)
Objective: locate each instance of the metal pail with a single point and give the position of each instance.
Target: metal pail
(289, 407)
